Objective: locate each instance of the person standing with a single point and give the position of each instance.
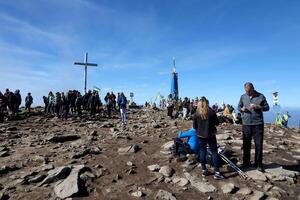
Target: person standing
(51, 103)
(109, 104)
(78, 104)
(18, 100)
(28, 102)
(65, 106)
(170, 106)
(186, 107)
(205, 122)
(3, 105)
(46, 102)
(285, 119)
(58, 104)
(122, 102)
(252, 104)
(93, 104)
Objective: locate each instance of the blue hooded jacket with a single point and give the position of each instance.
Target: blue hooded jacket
(192, 139)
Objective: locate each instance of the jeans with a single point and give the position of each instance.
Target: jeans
(185, 112)
(109, 109)
(257, 132)
(123, 115)
(170, 111)
(182, 147)
(212, 142)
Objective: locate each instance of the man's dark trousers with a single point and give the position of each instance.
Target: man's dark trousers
(257, 132)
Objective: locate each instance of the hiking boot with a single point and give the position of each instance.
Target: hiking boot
(261, 169)
(218, 176)
(205, 173)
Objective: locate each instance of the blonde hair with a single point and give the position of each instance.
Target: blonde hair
(202, 109)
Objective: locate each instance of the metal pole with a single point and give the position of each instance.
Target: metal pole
(85, 72)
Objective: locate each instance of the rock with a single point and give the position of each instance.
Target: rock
(280, 174)
(201, 186)
(245, 191)
(4, 196)
(60, 138)
(137, 194)
(168, 145)
(130, 149)
(256, 175)
(257, 195)
(94, 133)
(164, 195)
(223, 136)
(95, 150)
(107, 125)
(4, 153)
(5, 169)
(228, 188)
(71, 185)
(37, 179)
(180, 181)
(156, 125)
(81, 154)
(56, 174)
(166, 171)
(154, 168)
(166, 148)
(47, 167)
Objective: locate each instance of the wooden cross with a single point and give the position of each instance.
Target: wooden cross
(85, 64)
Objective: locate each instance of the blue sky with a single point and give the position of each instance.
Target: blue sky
(218, 45)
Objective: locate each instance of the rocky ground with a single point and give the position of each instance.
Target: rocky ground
(46, 158)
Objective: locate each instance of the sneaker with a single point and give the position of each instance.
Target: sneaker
(205, 173)
(218, 176)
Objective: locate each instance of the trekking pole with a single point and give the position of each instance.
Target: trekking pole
(233, 166)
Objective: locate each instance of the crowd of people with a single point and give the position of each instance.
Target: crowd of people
(187, 107)
(11, 102)
(62, 105)
(251, 105)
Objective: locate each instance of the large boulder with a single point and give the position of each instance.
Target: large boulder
(256, 175)
(280, 174)
(60, 138)
(228, 188)
(164, 195)
(128, 150)
(56, 174)
(166, 171)
(201, 186)
(154, 168)
(72, 185)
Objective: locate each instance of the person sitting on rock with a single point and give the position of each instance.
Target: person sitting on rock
(205, 122)
(190, 146)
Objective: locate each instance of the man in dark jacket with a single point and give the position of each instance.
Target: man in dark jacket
(3, 104)
(252, 105)
(109, 103)
(78, 104)
(93, 104)
(28, 102)
(12, 102)
(122, 102)
(18, 100)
